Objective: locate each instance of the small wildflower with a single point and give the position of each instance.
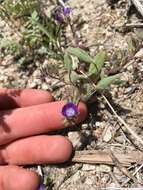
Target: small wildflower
(66, 10)
(58, 18)
(70, 110)
(42, 187)
(61, 14)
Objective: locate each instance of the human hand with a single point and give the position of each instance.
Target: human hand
(25, 116)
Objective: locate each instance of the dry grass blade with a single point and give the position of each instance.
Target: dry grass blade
(134, 25)
(123, 122)
(138, 5)
(139, 168)
(102, 157)
(114, 112)
(122, 168)
(115, 179)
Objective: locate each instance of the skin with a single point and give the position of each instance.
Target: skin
(26, 117)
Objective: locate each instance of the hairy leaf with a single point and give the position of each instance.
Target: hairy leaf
(80, 54)
(107, 81)
(67, 61)
(97, 65)
(76, 77)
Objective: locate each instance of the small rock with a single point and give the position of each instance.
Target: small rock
(88, 167)
(32, 85)
(112, 186)
(107, 134)
(130, 90)
(89, 180)
(103, 168)
(84, 126)
(139, 54)
(2, 24)
(74, 137)
(1, 78)
(45, 86)
(76, 177)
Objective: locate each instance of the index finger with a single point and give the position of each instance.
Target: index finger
(28, 121)
(15, 98)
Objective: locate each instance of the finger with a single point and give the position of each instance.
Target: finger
(34, 120)
(15, 178)
(37, 150)
(14, 98)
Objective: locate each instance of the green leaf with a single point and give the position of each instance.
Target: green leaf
(80, 54)
(131, 44)
(97, 65)
(76, 77)
(10, 45)
(67, 61)
(72, 77)
(107, 81)
(46, 32)
(34, 19)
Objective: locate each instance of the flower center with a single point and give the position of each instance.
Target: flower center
(70, 112)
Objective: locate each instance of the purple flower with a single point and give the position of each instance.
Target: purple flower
(70, 110)
(66, 10)
(58, 18)
(42, 187)
(62, 13)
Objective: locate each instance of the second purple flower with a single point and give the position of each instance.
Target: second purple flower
(61, 14)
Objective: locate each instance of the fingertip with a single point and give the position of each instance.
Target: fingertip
(82, 112)
(15, 178)
(63, 149)
(34, 97)
(38, 150)
(34, 180)
(15, 98)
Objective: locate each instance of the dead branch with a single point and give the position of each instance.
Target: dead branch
(138, 5)
(102, 157)
(122, 168)
(139, 168)
(128, 128)
(134, 25)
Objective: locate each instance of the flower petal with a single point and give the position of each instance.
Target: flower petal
(70, 110)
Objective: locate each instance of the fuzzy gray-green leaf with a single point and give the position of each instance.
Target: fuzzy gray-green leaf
(97, 65)
(107, 81)
(67, 62)
(80, 54)
(76, 77)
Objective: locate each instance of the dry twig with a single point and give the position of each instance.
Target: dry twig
(134, 25)
(122, 168)
(138, 5)
(123, 122)
(114, 112)
(102, 157)
(115, 179)
(137, 170)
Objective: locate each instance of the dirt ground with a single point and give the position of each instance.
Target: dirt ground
(105, 25)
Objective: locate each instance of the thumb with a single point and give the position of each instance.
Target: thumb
(15, 178)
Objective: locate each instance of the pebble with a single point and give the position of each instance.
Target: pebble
(107, 134)
(45, 86)
(90, 180)
(88, 167)
(103, 168)
(139, 54)
(74, 137)
(32, 85)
